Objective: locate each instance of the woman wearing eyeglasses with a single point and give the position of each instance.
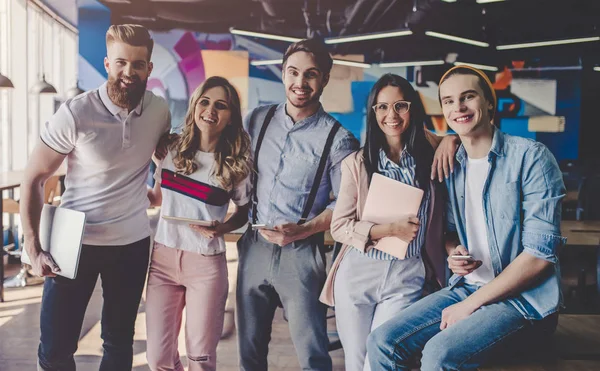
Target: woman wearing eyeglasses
(369, 286)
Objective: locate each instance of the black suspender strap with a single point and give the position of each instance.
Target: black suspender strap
(319, 175)
(261, 136)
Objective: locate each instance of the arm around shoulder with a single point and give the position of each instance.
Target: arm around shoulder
(155, 194)
(342, 149)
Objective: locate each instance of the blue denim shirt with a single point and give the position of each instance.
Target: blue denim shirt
(521, 203)
(288, 161)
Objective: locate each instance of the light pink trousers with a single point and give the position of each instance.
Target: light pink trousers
(179, 279)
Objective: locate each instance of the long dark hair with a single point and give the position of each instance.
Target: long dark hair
(414, 136)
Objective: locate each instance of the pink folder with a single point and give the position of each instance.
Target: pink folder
(387, 201)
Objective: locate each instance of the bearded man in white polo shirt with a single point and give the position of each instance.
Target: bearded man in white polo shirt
(108, 136)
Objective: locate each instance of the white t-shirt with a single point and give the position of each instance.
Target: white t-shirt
(477, 239)
(194, 196)
(108, 156)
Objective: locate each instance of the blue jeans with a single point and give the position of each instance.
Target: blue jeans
(493, 331)
(64, 301)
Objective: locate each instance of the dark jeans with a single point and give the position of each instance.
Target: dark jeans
(123, 273)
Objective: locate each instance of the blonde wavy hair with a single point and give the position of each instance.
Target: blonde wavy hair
(232, 155)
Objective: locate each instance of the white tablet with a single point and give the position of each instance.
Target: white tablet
(203, 223)
(61, 234)
(262, 226)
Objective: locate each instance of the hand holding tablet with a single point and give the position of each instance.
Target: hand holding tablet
(261, 226)
(202, 223)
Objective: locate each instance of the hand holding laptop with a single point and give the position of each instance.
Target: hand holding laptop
(60, 238)
(405, 228)
(43, 265)
(393, 203)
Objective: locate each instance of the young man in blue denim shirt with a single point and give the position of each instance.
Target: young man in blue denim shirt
(504, 212)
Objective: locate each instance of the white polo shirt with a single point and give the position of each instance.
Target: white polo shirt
(108, 153)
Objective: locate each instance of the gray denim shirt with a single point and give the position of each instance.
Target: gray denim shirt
(288, 160)
(522, 206)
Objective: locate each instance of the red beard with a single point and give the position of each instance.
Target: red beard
(126, 97)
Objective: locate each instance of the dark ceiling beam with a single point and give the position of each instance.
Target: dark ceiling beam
(507, 22)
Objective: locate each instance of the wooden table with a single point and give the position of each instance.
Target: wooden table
(10, 180)
(571, 196)
(584, 233)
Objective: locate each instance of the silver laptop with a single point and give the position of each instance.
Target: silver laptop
(61, 234)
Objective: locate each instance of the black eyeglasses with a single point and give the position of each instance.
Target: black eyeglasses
(401, 107)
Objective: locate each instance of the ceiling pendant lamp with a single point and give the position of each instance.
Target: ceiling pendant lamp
(5, 82)
(74, 91)
(43, 87)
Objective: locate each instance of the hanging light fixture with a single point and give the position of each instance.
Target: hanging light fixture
(74, 91)
(42, 86)
(5, 82)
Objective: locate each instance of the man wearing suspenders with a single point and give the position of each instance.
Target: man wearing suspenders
(298, 149)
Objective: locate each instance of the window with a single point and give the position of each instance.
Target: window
(32, 42)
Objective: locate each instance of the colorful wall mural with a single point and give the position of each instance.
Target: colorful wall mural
(183, 60)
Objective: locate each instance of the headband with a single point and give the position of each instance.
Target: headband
(479, 73)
